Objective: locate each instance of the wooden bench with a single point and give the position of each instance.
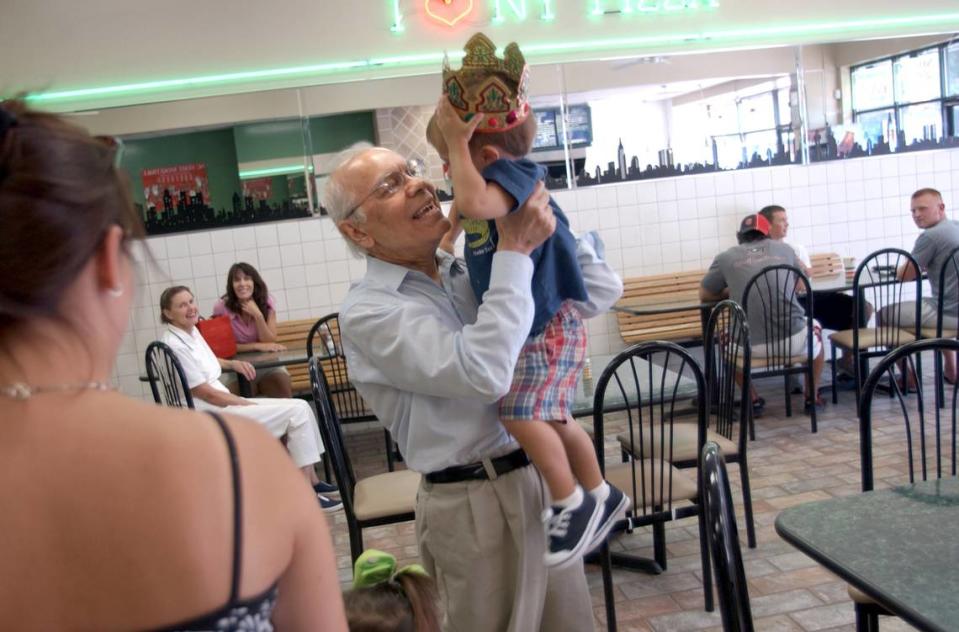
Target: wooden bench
(683, 325)
(825, 265)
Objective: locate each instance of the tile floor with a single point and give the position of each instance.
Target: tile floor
(788, 466)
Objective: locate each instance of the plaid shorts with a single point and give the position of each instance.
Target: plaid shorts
(546, 374)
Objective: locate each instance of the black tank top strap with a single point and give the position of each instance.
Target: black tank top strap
(237, 508)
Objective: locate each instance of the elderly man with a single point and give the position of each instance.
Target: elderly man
(433, 363)
(939, 237)
(728, 276)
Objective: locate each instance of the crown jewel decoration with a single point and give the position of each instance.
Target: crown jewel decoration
(488, 85)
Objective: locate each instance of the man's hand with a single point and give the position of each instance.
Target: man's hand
(528, 227)
(453, 128)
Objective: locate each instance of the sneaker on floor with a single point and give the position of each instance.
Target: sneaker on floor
(569, 531)
(329, 505)
(614, 508)
(327, 489)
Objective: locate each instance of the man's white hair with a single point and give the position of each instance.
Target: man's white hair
(338, 199)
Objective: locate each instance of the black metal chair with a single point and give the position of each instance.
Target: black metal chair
(167, 380)
(724, 543)
(929, 432)
(324, 339)
(950, 270)
(772, 298)
(727, 380)
(376, 500)
(875, 282)
(649, 378)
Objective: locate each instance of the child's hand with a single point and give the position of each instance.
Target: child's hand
(453, 128)
(456, 229)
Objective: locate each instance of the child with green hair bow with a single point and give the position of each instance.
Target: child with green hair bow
(384, 599)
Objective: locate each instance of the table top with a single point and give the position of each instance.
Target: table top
(667, 303)
(261, 359)
(583, 402)
(900, 546)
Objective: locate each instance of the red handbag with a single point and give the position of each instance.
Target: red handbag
(218, 333)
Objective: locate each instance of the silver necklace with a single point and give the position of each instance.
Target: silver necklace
(21, 391)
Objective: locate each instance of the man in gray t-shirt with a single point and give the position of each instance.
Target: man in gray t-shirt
(938, 238)
(731, 271)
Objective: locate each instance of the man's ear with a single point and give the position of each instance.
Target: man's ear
(356, 234)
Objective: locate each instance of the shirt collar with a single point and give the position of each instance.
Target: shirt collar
(392, 275)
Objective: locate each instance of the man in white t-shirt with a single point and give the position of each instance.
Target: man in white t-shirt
(833, 310)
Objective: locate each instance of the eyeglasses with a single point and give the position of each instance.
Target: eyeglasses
(393, 182)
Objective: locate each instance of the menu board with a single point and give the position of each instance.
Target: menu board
(546, 136)
(549, 131)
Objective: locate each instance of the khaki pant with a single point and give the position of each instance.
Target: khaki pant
(483, 542)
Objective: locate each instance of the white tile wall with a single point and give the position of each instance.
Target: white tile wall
(649, 227)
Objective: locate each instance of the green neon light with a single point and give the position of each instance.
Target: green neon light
(529, 50)
(397, 26)
(548, 13)
(273, 171)
(518, 8)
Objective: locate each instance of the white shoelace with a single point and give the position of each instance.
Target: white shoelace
(559, 524)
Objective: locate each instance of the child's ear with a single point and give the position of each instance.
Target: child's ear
(489, 154)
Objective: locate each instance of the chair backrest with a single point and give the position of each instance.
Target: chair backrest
(929, 416)
(652, 379)
(332, 435)
(684, 325)
(324, 343)
(772, 299)
(950, 270)
(825, 264)
(724, 542)
(727, 354)
(875, 282)
(167, 380)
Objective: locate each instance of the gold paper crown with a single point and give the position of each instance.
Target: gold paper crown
(488, 85)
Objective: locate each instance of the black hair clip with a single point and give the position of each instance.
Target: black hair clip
(7, 120)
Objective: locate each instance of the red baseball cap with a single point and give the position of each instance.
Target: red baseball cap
(754, 222)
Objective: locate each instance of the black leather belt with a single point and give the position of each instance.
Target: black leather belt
(477, 471)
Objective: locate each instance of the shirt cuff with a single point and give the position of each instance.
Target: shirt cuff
(512, 269)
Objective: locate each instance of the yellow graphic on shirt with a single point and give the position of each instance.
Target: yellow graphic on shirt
(477, 232)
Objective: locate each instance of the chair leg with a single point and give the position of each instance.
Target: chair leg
(752, 425)
(356, 540)
(747, 503)
(704, 555)
(389, 450)
(789, 399)
(835, 392)
(607, 568)
(815, 398)
(327, 474)
(659, 543)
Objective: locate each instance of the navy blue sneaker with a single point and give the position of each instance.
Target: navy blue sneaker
(329, 505)
(569, 531)
(327, 489)
(614, 509)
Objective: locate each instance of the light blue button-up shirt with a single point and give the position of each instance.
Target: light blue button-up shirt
(432, 364)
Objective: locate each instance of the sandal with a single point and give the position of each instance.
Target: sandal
(819, 404)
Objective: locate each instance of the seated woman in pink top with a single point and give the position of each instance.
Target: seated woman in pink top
(253, 317)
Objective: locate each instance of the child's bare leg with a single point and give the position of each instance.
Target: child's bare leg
(545, 449)
(580, 452)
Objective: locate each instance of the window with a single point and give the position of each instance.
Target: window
(951, 57)
(917, 76)
(904, 94)
(872, 86)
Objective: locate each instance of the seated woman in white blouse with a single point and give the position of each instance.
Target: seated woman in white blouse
(290, 417)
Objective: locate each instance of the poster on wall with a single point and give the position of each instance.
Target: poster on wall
(176, 188)
(258, 188)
